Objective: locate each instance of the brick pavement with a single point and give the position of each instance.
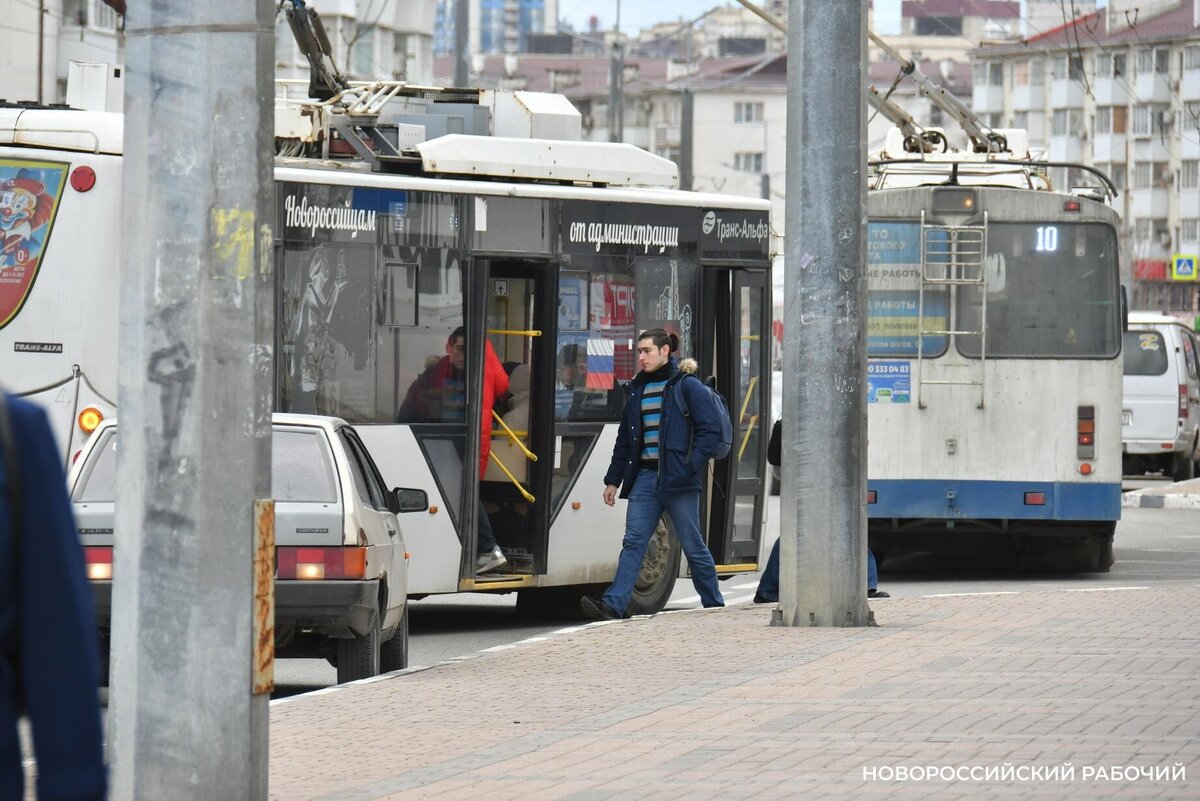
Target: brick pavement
(717, 704)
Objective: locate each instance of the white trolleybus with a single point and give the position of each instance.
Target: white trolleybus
(401, 249)
(995, 317)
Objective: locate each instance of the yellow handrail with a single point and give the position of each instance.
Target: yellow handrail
(749, 394)
(746, 439)
(512, 478)
(506, 332)
(514, 439)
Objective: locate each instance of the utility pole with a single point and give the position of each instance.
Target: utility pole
(616, 85)
(687, 174)
(462, 43)
(192, 637)
(822, 513)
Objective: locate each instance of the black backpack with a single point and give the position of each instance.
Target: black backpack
(721, 407)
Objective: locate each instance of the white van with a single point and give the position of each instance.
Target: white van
(1160, 418)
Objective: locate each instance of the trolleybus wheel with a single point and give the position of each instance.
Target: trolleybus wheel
(358, 657)
(660, 567)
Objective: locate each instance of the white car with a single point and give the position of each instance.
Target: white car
(1160, 415)
(341, 580)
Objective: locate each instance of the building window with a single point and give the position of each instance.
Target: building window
(1066, 122)
(1149, 174)
(1021, 120)
(1162, 61)
(1103, 65)
(748, 162)
(1145, 61)
(1191, 57)
(1119, 68)
(747, 112)
(1021, 73)
(1103, 121)
(1068, 67)
(1192, 111)
(1037, 71)
(1141, 121)
(1141, 229)
(1189, 229)
(1117, 174)
(1189, 174)
(1120, 115)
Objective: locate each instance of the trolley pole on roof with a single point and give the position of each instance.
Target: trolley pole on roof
(462, 43)
(192, 632)
(823, 488)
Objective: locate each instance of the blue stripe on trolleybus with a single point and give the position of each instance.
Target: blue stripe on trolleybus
(994, 500)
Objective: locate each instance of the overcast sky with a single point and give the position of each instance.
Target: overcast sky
(637, 14)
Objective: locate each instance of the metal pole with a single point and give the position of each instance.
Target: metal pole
(41, 48)
(686, 131)
(616, 85)
(190, 678)
(462, 46)
(822, 511)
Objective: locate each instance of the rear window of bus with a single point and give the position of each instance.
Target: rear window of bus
(1145, 353)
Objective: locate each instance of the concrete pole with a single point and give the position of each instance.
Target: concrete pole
(687, 169)
(616, 85)
(462, 47)
(822, 510)
(190, 680)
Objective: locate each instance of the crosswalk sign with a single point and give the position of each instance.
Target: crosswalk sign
(1183, 267)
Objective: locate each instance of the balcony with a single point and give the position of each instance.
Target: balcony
(1189, 87)
(1152, 87)
(1189, 147)
(1029, 98)
(1066, 94)
(1111, 92)
(987, 99)
(1066, 148)
(1153, 203)
(1109, 147)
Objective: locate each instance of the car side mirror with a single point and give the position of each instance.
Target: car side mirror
(409, 500)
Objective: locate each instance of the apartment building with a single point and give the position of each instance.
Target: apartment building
(1117, 89)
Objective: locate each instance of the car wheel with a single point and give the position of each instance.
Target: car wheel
(660, 568)
(1182, 467)
(393, 654)
(358, 657)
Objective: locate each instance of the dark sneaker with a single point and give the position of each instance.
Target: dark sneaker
(874, 593)
(597, 609)
(759, 598)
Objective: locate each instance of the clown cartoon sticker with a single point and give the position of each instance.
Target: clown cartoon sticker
(29, 195)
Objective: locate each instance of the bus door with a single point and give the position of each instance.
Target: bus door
(521, 301)
(737, 302)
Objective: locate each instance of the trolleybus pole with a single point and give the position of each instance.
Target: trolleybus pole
(823, 519)
(191, 666)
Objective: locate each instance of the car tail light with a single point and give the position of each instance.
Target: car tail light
(98, 562)
(1035, 499)
(1183, 402)
(313, 564)
(871, 496)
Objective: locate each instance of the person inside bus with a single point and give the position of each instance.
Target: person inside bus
(439, 395)
(657, 464)
(768, 583)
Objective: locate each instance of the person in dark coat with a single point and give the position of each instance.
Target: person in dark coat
(48, 640)
(768, 583)
(658, 463)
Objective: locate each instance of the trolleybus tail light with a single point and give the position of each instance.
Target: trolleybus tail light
(1071, 205)
(89, 418)
(83, 178)
(1085, 426)
(320, 563)
(99, 563)
(1035, 499)
(870, 496)
(1183, 402)
(1085, 469)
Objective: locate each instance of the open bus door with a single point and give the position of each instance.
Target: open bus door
(737, 302)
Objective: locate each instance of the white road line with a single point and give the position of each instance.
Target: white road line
(1106, 589)
(970, 594)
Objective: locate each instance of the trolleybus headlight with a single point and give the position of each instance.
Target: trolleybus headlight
(89, 418)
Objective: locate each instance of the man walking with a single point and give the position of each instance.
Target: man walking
(658, 463)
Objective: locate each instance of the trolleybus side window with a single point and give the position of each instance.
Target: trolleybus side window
(1052, 291)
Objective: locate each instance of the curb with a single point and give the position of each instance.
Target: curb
(1149, 499)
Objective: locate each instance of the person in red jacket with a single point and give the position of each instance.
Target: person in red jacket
(495, 386)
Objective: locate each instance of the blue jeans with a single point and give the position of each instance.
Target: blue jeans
(768, 584)
(646, 507)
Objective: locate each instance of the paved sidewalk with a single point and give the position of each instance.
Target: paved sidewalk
(717, 704)
(1180, 495)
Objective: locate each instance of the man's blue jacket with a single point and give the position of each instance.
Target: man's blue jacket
(47, 627)
(683, 448)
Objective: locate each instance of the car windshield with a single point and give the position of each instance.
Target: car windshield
(1145, 353)
(301, 470)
